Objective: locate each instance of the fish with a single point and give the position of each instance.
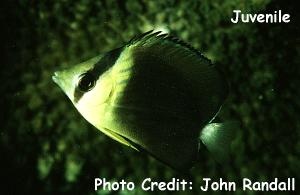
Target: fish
(155, 94)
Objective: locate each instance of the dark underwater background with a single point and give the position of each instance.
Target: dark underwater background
(48, 148)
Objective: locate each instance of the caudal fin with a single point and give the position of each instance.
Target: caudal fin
(217, 137)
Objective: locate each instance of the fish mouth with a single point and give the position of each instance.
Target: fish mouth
(55, 78)
(59, 78)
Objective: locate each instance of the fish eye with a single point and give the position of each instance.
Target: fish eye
(86, 82)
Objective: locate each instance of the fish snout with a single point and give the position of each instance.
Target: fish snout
(64, 83)
(55, 77)
(58, 78)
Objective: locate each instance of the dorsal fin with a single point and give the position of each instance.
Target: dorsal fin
(153, 37)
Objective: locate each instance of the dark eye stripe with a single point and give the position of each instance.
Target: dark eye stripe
(105, 63)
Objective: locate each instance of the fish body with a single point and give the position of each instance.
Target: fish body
(155, 94)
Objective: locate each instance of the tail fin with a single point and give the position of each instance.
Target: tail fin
(217, 137)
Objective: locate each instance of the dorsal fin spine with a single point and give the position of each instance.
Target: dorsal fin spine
(151, 35)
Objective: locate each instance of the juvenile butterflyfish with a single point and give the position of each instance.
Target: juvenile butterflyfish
(155, 94)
